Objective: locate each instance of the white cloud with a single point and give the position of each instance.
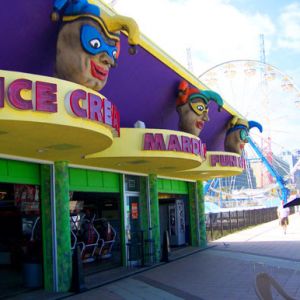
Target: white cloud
(214, 30)
(289, 34)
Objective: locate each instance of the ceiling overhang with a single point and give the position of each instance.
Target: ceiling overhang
(217, 164)
(35, 121)
(129, 152)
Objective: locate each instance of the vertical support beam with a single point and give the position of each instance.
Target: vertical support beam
(154, 208)
(63, 230)
(146, 220)
(193, 214)
(122, 224)
(143, 206)
(203, 242)
(46, 217)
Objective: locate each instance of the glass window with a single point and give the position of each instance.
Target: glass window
(132, 183)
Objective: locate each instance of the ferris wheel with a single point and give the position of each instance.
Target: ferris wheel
(262, 93)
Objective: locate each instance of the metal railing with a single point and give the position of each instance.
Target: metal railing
(223, 223)
(141, 249)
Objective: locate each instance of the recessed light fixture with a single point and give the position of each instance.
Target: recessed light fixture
(167, 168)
(42, 150)
(137, 162)
(63, 147)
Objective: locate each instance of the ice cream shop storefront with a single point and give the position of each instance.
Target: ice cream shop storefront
(96, 174)
(51, 208)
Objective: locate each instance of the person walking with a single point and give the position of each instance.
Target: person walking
(283, 215)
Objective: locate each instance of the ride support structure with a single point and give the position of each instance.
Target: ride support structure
(282, 184)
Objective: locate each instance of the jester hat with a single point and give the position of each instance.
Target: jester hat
(237, 123)
(187, 94)
(70, 10)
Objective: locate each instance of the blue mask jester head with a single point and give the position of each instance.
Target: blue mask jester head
(88, 43)
(237, 134)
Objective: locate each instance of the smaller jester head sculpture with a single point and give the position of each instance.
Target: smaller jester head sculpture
(237, 134)
(88, 43)
(192, 107)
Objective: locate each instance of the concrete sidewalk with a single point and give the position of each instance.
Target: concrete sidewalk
(225, 271)
(267, 239)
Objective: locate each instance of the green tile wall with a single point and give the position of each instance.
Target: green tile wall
(14, 171)
(172, 186)
(93, 181)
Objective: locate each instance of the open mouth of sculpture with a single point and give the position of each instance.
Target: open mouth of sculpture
(199, 124)
(98, 72)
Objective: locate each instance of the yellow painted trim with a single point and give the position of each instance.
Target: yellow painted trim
(153, 49)
(205, 171)
(127, 154)
(61, 117)
(49, 135)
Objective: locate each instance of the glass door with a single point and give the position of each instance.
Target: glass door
(133, 233)
(132, 218)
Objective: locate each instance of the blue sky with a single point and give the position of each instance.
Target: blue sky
(218, 31)
(283, 14)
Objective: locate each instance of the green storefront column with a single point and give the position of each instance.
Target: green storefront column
(154, 209)
(47, 227)
(193, 206)
(145, 220)
(63, 236)
(143, 205)
(122, 223)
(203, 242)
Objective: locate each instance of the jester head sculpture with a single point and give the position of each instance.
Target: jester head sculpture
(88, 43)
(237, 134)
(192, 107)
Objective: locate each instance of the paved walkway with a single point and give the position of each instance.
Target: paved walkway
(224, 271)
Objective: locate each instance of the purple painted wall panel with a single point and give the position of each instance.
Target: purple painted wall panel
(141, 86)
(28, 37)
